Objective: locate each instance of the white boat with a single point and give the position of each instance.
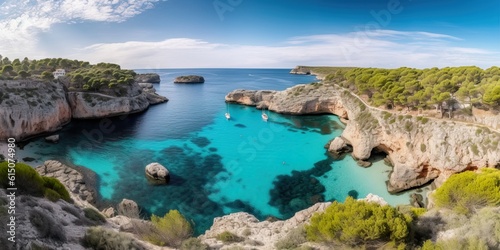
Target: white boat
(264, 116)
(227, 115)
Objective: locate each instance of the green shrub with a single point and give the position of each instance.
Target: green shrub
(171, 229)
(93, 215)
(228, 237)
(292, 240)
(55, 185)
(194, 244)
(464, 192)
(105, 239)
(355, 222)
(51, 195)
(28, 181)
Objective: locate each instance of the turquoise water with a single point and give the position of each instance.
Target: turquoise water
(218, 166)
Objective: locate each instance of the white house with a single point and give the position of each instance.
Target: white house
(59, 72)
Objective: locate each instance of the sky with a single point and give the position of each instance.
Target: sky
(139, 34)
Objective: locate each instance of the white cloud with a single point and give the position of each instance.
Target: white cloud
(381, 48)
(22, 20)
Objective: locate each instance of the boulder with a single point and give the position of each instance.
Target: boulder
(339, 146)
(149, 78)
(109, 212)
(128, 208)
(189, 79)
(52, 138)
(157, 174)
(363, 164)
(375, 199)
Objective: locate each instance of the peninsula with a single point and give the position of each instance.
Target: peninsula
(41, 96)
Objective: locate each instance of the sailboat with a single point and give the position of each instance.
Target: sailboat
(227, 115)
(264, 116)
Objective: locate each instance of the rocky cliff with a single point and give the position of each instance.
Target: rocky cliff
(28, 108)
(148, 78)
(420, 149)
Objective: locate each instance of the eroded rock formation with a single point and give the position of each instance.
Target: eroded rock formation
(28, 108)
(73, 180)
(420, 149)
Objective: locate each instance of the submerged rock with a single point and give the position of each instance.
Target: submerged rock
(157, 174)
(189, 79)
(52, 138)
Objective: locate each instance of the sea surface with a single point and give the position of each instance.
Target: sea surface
(218, 166)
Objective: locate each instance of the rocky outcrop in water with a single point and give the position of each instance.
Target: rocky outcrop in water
(157, 174)
(189, 79)
(148, 77)
(420, 149)
(28, 108)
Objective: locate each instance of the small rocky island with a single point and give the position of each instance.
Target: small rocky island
(189, 79)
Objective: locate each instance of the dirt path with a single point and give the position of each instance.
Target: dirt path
(431, 118)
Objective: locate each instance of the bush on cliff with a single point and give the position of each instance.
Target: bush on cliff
(170, 230)
(357, 222)
(29, 182)
(54, 184)
(467, 191)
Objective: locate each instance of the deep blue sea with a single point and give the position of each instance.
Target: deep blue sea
(218, 166)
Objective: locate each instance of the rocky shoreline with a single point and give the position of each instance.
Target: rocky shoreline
(420, 149)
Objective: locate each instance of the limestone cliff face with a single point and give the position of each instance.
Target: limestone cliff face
(86, 105)
(28, 108)
(420, 149)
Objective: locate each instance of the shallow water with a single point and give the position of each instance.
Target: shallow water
(218, 166)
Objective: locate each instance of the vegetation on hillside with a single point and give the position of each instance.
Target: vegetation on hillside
(468, 191)
(424, 88)
(170, 230)
(81, 75)
(354, 223)
(29, 182)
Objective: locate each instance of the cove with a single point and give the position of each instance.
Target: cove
(218, 166)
